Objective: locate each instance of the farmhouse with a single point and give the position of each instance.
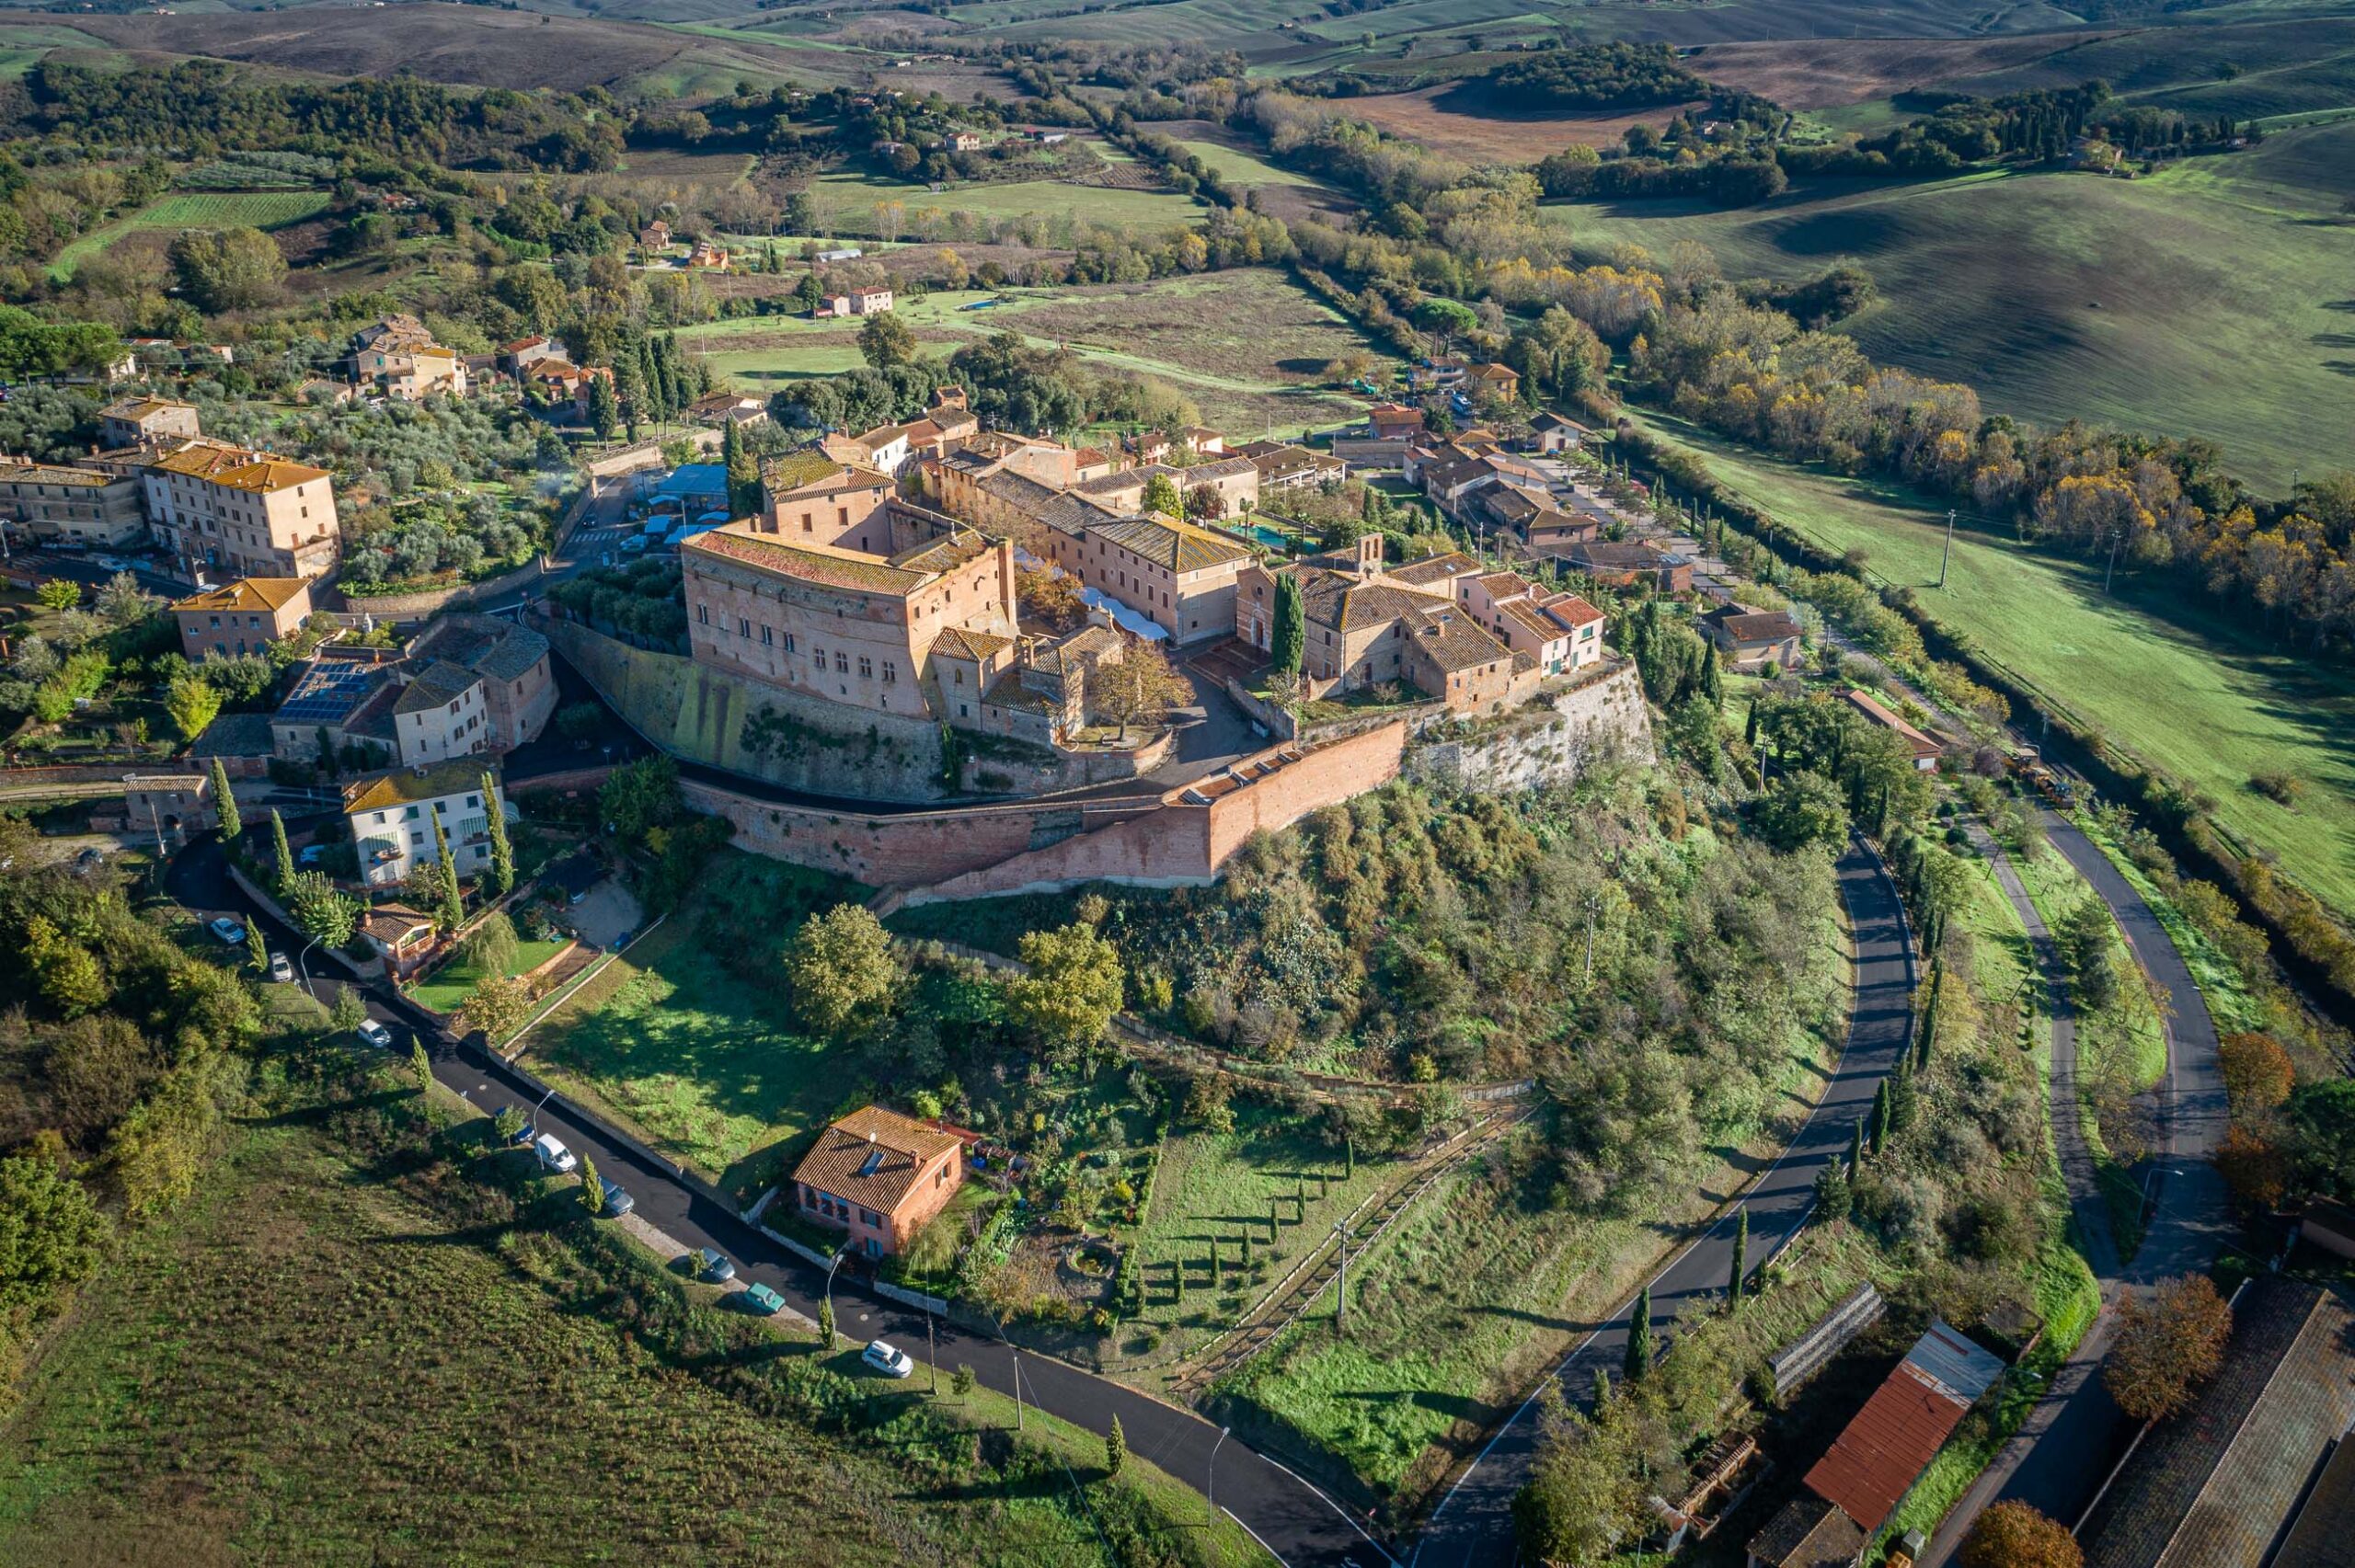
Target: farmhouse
(857, 302)
(1926, 751)
(1394, 421)
(1552, 433)
(241, 617)
(1752, 639)
(137, 421)
(879, 1177)
(402, 937)
(400, 359)
(166, 805)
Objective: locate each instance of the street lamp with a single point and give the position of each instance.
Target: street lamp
(536, 1110)
(1210, 1482)
(303, 964)
(840, 1253)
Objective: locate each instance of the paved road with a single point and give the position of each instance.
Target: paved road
(1297, 1523)
(2055, 1462)
(1474, 1522)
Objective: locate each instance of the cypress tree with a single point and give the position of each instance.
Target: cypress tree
(1856, 1147)
(1712, 684)
(1749, 730)
(1930, 1012)
(502, 876)
(452, 913)
(1639, 1338)
(1289, 640)
(224, 803)
(282, 868)
(1740, 1257)
(1116, 1449)
(1831, 1194)
(1880, 1116)
(592, 1191)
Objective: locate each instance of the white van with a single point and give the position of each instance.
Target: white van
(554, 1155)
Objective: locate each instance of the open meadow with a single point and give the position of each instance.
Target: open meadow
(2204, 696)
(263, 209)
(2209, 299)
(1247, 345)
(847, 202)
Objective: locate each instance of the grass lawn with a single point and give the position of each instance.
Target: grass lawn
(1247, 345)
(2200, 695)
(446, 990)
(480, 1390)
(2198, 301)
(195, 209)
(699, 1056)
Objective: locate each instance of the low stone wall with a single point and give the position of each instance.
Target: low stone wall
(404, 606)
(1550, 741)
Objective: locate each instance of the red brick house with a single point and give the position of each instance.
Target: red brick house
(879, 1177)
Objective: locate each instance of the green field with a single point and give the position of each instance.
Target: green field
(846, 203)
(195, 209)
(700, 1056)
(1246, 345)
(2198, 694)
(2209, 299)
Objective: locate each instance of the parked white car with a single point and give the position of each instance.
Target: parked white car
(376, 1033)
(228, 931)
(279, 969)
(887, 1358)
(554, 1155)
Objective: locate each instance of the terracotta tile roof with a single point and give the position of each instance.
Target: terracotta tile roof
(1888, 1444)
(2213, 1486)
(944, 554)
(1011, 693)
(1753, 625)
(2324, 1534)
(1180, 546)
(235, 468)
(872, 1157)
(1451, 639)
(245, 593)
(394, 924)
(137, 408)
(1493, 373)
(56, 474)
(1224, 468)
(1569, 608)
(963, 642)
(1541, 625)
(1434, 569)
(406, 787)
(810, 562)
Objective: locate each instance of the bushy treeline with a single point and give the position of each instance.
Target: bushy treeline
(1616, 75)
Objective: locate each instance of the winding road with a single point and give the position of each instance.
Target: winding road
(2055, 1462)
(1474, 1522)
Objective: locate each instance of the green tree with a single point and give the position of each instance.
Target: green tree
(592, 1190)
(960, 1383)
(809, 292)
(281, 867)
(322, 911)
(1161, 495)
(637, 798)
(228, 270)
(1800, 809)
(452, 913)
(420, 1064)
(257, 946)
(826, 1323)
(509, 1123)
(1737, 1283)
(2169, 1341)
(843, 969)
(885, 341)
(1116, 1449)
(224, 803)
(1290, 634)
(1074, 987)
(743, 472)
(350, 1012)
(604, 408)
(1833, 1200)
(69, 977)
(502, 876)
(59, 593)
(497, 1007)
(2322, 1135)
(1638, 1362)
(52, 1236)
(190, 705)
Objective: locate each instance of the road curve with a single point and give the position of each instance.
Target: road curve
(1474, 1522)
(1295, 1521)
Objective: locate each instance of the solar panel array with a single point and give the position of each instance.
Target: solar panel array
(327, 693)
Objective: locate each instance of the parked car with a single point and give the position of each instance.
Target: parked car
(760, 1299)
(887, 1359)
(635, 545)
(617, 1202)
(376, 1033)
(279, 969)
(311, 854)
(716, 1269)
(227, 931)
(554, 1155)
(90, 860)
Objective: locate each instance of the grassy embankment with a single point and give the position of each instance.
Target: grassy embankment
(2197, 302)
(318, 1357)
(2203, 696)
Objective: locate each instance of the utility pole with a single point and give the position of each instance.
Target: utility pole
(1947, 554)
(2111, 570)
(931, 1351)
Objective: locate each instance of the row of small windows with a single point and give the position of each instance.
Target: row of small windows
(817, 654)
